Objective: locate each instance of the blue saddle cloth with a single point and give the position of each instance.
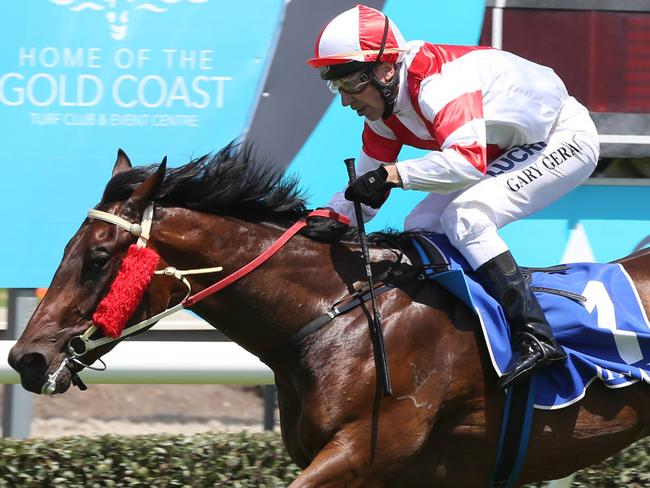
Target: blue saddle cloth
(606, 337)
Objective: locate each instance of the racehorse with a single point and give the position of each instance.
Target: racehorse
(440, 426)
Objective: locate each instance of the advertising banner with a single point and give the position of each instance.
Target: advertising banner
(81, 78)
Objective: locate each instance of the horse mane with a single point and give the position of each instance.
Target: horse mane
(229, 182)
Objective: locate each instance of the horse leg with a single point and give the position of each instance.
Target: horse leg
(354, 457)
(334, 466)
(343, 462)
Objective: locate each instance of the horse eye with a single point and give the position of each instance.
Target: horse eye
(99, 259)
(94, 267)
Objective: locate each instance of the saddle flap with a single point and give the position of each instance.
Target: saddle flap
(439, 268)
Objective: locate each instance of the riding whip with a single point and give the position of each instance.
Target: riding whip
(376, 333)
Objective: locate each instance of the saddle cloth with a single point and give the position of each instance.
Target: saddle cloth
(606, 336)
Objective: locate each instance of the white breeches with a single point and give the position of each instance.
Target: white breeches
(522, 181)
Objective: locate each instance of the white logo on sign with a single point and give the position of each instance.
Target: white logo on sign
(117, 11)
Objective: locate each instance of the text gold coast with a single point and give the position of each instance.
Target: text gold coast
(139, 78)
(126, 91)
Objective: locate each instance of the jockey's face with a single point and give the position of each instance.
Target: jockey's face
(369, 102)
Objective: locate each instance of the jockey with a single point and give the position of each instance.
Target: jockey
(504, 139)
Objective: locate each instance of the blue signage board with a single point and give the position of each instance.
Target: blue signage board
(181, 78)
(81, 78)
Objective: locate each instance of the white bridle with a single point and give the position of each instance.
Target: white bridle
(143, 232)
(82, 344)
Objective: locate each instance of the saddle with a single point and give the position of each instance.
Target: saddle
(594, 310)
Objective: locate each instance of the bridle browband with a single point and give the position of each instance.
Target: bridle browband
(80, 345)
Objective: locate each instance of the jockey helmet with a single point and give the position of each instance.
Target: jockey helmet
(352, 44)
(355, 36)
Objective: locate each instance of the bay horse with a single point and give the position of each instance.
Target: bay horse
(441, 425)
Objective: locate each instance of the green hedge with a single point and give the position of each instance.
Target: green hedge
(239, 460)
(228, 460)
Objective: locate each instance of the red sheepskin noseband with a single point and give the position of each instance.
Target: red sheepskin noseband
(126, 291)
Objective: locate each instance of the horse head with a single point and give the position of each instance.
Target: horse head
(220, 208)
(91, 261)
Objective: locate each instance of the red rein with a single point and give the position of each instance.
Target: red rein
(126, 291)
(140, 263)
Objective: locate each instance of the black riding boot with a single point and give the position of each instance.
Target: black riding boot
(532, 339)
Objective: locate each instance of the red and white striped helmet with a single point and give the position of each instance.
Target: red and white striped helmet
(356, 35)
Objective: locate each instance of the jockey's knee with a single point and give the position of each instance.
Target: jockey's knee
(464, 222)
(472, 230)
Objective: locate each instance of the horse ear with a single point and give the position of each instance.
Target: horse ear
(143, 194)
(122, 164)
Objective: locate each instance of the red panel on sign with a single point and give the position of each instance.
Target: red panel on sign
(602, 56)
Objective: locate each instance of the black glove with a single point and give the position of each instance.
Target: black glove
(370, 188)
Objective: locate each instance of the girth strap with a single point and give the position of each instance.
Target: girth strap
(516, 423)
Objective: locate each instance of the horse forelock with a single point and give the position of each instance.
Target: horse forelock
(230, 182)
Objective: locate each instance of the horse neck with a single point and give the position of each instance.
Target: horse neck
(262, 309)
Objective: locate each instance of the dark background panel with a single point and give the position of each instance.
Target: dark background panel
(293, 98)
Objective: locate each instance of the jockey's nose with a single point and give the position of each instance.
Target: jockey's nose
(346, 99)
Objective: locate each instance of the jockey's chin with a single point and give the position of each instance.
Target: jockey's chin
(370, 112)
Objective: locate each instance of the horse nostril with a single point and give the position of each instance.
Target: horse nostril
(15, 357)
(34, 361)
(32, 368)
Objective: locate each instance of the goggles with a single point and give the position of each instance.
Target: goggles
(354, 83)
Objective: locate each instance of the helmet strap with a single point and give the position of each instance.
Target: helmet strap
(387, 90)
(383, 41)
